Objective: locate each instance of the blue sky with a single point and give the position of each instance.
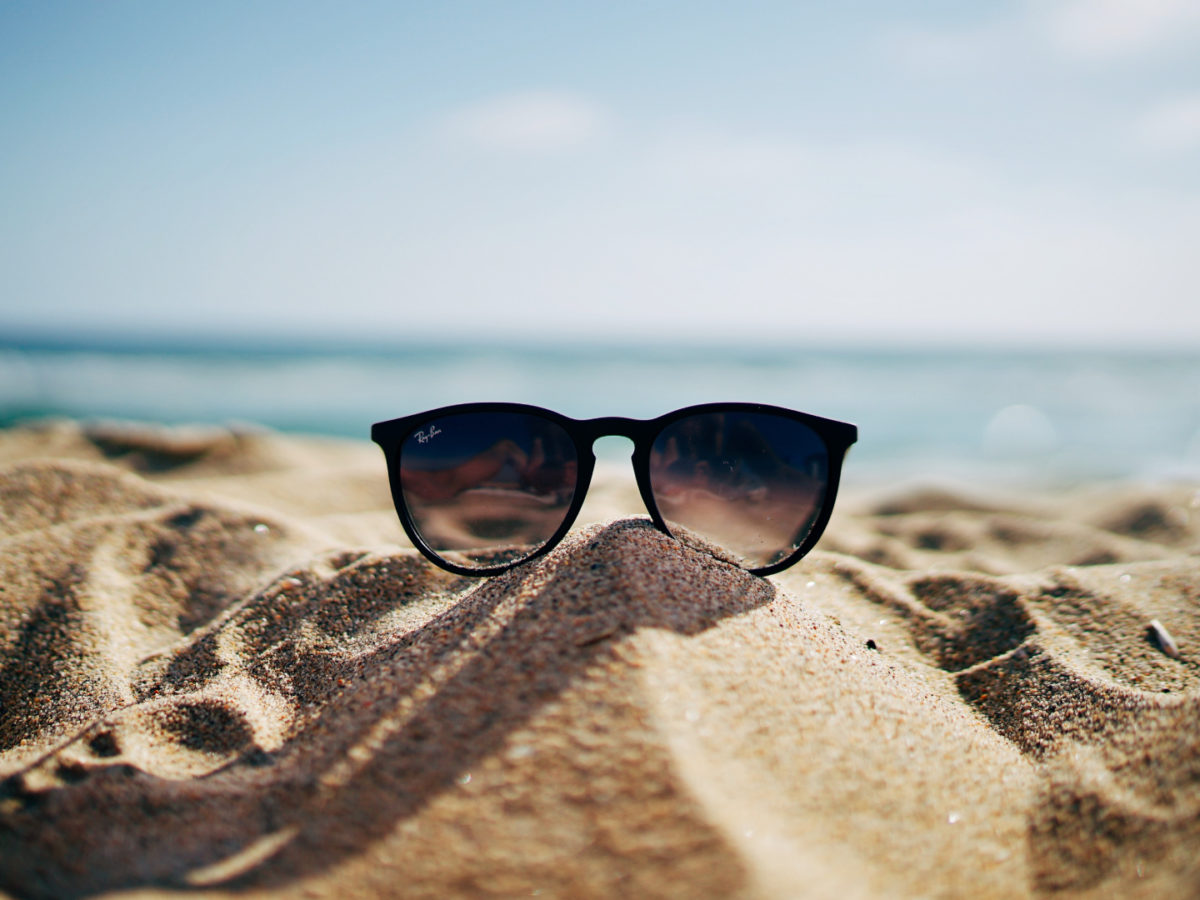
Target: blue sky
(940, 172)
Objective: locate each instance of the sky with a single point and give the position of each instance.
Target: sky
(943, 172)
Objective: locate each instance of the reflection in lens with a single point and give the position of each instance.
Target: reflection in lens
(752, 483)
(495, 486)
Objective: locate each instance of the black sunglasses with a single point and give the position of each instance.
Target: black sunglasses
(483, 487)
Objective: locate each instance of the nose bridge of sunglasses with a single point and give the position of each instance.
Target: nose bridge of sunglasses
(613, 493)
(613, 448)
(610, 438)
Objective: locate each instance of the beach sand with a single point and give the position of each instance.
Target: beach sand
(223, 671)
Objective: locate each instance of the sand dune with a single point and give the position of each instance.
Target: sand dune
(222, 670)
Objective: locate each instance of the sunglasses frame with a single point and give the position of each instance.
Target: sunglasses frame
(391, 434)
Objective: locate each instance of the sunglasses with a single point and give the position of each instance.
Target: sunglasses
(483, 487)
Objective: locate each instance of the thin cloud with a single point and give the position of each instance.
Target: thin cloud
(1109, 29)
(1171, 126)
(1074, 30)
(530, 122)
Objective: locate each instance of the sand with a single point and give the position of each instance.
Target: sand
(223, 671)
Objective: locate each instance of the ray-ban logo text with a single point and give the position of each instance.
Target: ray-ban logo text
(424, 437)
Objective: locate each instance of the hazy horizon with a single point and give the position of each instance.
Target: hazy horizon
(131, 339)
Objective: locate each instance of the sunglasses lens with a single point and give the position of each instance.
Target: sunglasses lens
(752, 483)
(488, 489)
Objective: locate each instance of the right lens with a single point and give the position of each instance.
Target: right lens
(752, 483)
(488, 489)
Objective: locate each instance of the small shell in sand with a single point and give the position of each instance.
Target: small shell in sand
(1164, 639)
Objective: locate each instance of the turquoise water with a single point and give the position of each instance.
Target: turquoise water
(1036, 416)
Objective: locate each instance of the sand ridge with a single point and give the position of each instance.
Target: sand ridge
(222, 670)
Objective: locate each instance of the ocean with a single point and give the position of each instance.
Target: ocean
(1037, 417)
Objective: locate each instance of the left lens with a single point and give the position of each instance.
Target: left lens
(488, 489)
(752, 483)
